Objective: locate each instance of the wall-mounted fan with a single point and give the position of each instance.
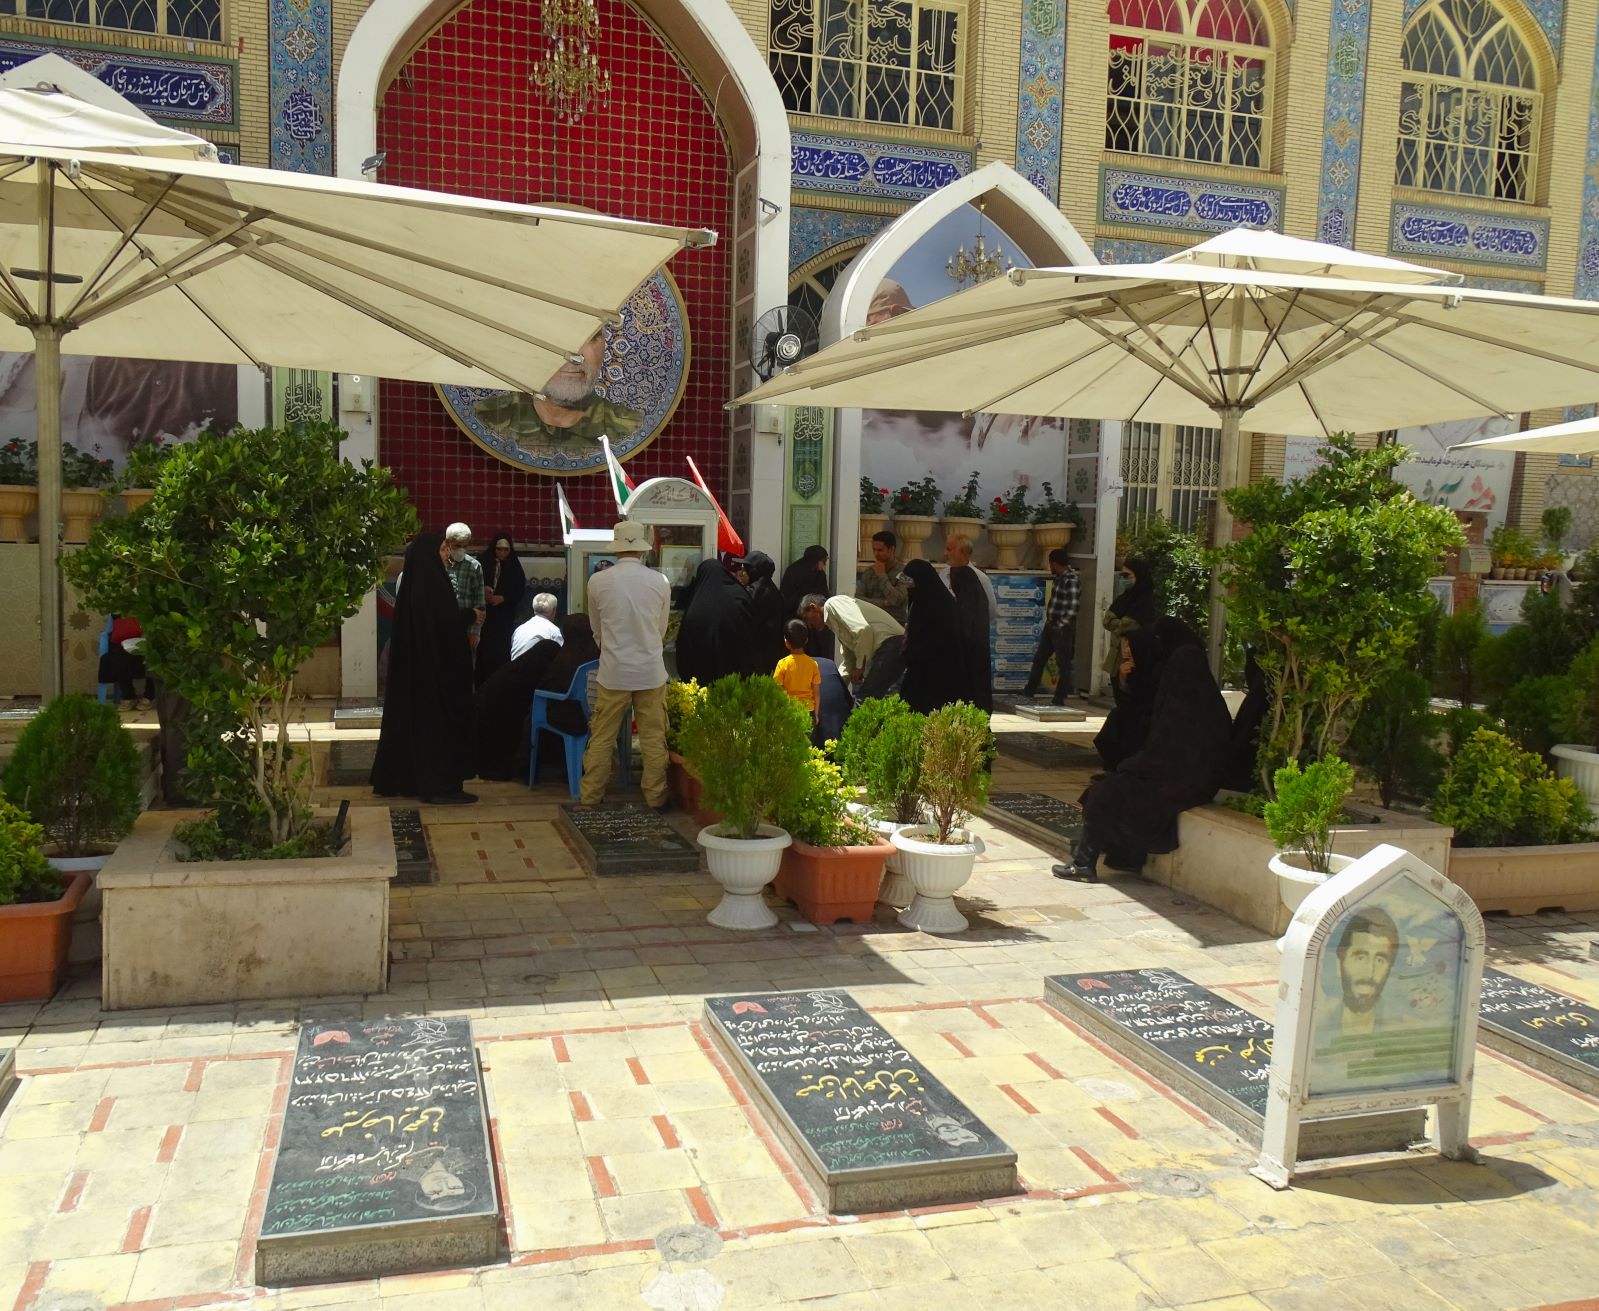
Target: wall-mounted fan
(781, 337)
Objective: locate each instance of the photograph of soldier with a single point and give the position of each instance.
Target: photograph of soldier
(569, 417)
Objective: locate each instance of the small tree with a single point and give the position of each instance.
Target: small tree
(956, 749)
(880, 750)
(256, 546)
(25, 875)
(1330, 586)
(1459, 643)
(748, 742)
(1391, 740)
(76, 771)
(1308, 803)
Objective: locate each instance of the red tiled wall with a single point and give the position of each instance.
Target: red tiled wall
(466, 119)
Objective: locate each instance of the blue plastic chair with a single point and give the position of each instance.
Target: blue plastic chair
(576, 744)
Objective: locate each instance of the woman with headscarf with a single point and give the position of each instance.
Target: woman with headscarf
(1137, 608)
(502, 705)
(1132, 811)
(717, 636)
(975, 671)
(806, 576)
(425, 742)
(1133, 690)
(766, 604)
(503, 585)
(932, 641)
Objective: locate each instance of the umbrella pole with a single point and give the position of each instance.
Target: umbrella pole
(1231, 418)
(47, 374)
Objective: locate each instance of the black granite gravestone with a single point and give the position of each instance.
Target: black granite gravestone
(383, 1161)
(350, 763)
(1216, 1054)
(1546, 1030)
(357, 712)
(1051, 750)
(413, 860)
(871, 1127)
(1049, 821)
(627, 839)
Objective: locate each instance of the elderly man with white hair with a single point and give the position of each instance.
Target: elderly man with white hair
(466, 577)
(540, 628)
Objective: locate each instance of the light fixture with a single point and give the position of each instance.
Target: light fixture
(569, 73)
(967, 270)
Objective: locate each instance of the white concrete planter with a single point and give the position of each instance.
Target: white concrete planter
(179, 933)
(743, 866)
(1581, 765)
(1223, 857)
(1525, 880)
(1296, 880)
(936, 873)
(896, 890)
(86, 919)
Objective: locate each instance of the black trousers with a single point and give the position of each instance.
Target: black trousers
(1058, 640)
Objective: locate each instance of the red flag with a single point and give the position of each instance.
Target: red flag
(727, 538)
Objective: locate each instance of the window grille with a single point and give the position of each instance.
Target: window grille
(198, 20)
(1169, 469)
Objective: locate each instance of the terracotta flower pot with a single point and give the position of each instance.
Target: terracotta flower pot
(682, 784)
(828, 884)
(34, 939)
(80, 507)
(871, 525)
(913, 530)
(16, 504)
(1010, 540)
(134, 497)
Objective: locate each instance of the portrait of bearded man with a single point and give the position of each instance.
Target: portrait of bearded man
(569, 417)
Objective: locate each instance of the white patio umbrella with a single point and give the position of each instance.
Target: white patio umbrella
(1579, 437)
(121, 238)
(1283, 335)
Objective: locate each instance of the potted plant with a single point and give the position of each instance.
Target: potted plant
(880, 752)
(938, 857)
(36, 909)
(834, 866)
(85, 482)
(913, 506)
(874, 518)
(1300, 819)
(1512, 551)
(76, 771)
(1053, 522)
(1579, 761)
(748, 742)
(146, 459)
(258, 544)
(683, 700)
(962, 514)
(1009, 527)
(19, 493)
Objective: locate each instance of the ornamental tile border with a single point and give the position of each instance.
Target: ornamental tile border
(811, 231)
(168, 88)
(1548, 14)
(1155, 200)
(1468, 236)
(1347, 41)
(1115, 250)
(853, 167)
(1041, 95)
(300, 81)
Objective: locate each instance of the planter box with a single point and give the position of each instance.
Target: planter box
(829, 884)
(1581, 765)
(187, 933)
(1222, 856)
(33, 943)
(687, 792)
(1525, 880)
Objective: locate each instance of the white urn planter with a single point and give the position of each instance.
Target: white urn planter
(743, 866)
(1581, 765)
(913, 530)
(897, 890)
(1295, 878)
(937, 871)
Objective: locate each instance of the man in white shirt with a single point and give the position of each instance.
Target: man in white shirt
(628, 608)
(540, 628)
(871, 642)
(957, 551)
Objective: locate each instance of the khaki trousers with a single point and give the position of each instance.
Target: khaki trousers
(649, 715)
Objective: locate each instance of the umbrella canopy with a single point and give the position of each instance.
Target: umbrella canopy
(1579, 437)
(117, 238)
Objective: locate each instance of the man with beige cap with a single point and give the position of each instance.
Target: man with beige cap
(628, 608)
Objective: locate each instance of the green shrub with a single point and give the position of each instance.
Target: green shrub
(1555, 523)
(1497, 795)
(748, 743)
(815, 811)
(1391, 741)
(25, 875)
(880, 750)
(1178, 570)
(1459, 640)
(76, 771)
(1306, 805)
(1458, 725)
(916, 498)
(147, 458)
(1538, 712)
(1584, 609)
(956, 748)
(1555, 636)
(683, 700)
(1503, 660)
(963, 505)
(1584, 678)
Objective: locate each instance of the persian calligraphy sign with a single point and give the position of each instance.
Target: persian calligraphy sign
(873, 168)
(383, 1162)
(1542, 1028)
(1190, 204)
(1469, 236)
(165, 87)
(871, 1127)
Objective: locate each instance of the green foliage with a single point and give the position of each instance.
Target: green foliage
(815, 811)
(256, 546)
(1391, 740)
(19, 465)
(1512, 548)
(916, 498)
(1457, 726)
(1011, 507)
(1584, 678)
(1459, 640)
(1555, 523)
(25, 875)
(147, 459)
(81, 469)
(956, 749)
(748, 743)
(1330, 587)
(76, 771)
(1554, 636)
(872, 496)
(880, 750)
(1306, 805)
(1540, 711)
(964, 506)
(1179, 570)
(204, 839)
(1503, 660)
(1584, 608)
(683, 700)
(1496, 795)
(1051, 510)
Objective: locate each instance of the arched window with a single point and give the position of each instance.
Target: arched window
(1190, 79)
(199, 20)
(1469, 105)
(883, 61)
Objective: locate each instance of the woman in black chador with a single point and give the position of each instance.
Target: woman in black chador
(425, 743)
(503, 585)
(1132, 811)
(767, 603)
(717, 636)
(971, 608)
(932, 641)
(502, 705)
(805, 576)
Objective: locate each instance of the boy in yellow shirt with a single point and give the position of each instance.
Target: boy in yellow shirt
(796, 673)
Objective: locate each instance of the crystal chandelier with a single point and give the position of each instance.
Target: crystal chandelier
(967, 270)
(569, 74)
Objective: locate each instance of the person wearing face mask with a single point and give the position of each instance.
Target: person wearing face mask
(503, 584)
(466, 577)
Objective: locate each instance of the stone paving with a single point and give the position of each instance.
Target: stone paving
(635, 1172)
